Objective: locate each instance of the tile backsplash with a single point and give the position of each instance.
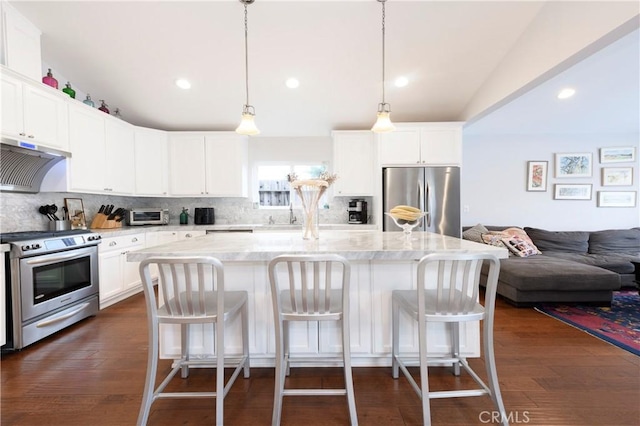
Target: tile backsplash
(19, 212)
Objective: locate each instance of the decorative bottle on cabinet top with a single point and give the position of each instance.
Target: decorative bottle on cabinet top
(103, 107)
(49, 80)
(88, 101)
(69, 91)
(184, 216)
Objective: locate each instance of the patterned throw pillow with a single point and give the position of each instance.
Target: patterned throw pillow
(494, 238)
(521, 234)
(475, 234)
(519, 246)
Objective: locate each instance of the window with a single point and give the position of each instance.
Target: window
(274, 189)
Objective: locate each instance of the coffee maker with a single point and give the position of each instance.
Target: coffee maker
(357, 211)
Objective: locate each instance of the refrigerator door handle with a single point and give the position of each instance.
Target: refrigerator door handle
(426, 207)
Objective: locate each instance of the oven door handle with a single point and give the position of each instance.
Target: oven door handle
(51, 259)
(62, 317)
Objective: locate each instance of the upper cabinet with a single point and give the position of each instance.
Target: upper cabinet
(102, 150)
(21, 47)
(34, 114)
(211, 164)
(423, 144)
(151, 165)
(354, 155)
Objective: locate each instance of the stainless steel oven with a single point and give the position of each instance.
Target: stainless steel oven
(52, 283)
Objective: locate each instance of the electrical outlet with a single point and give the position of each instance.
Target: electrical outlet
(465, 208)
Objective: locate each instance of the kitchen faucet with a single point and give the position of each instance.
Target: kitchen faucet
(292, 218)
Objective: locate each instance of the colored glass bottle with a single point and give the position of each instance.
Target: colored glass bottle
(184, 216)
(88, 101)
(103, 107)
(69, 91)
(49, 80)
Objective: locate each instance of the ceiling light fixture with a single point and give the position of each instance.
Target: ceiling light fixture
(247, 125)
(566, 93)
(292, 83)
(183, 83)
(383, 123)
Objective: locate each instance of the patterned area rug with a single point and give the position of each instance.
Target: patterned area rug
(618, 325)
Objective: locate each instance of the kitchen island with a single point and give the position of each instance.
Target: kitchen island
(381, 262)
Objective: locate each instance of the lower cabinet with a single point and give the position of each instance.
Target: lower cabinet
(119, 279)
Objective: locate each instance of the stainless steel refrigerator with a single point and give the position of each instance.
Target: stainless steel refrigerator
(434, 190)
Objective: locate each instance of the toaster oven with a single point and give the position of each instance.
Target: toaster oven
(147, 216)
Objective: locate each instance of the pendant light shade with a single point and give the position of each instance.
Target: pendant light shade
(247, 125)
(383, 123)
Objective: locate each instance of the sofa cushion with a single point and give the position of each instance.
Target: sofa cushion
(566, 241)
(618, 263)
(475, 233)
(543, 272)
(615, 241)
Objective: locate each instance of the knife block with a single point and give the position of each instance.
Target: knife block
(100, 221)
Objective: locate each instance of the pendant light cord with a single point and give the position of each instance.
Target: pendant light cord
(383, 30)
(246, 53)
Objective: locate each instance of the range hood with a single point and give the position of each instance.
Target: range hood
(23, 164)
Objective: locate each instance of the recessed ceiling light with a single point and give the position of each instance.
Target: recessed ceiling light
(183, 83)
(292, 83)
(401, 81)
(566, 93)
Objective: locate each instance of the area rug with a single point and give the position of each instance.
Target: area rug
(618, 324)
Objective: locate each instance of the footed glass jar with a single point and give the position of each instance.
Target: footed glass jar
(88, 101)
(406, 225)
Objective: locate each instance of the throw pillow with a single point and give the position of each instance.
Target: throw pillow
(494, 238)
(519, 246)
(520, 233)
(475, 233)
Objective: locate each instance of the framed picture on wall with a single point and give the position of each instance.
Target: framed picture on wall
(617, 198)
(618, 154)
(75, 209)
(572, 192)
(570, 165)
(537, 175)
(617, 176)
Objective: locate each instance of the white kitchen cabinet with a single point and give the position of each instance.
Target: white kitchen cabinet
(422, 144)
(102, 152)
(354, 158)
(210, 164)
(33, 113)
(119, 152)
(21, 46)
(151, 162)
(119, 279)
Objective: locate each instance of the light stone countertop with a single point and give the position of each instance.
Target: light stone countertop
(354, 245)
(255, 227)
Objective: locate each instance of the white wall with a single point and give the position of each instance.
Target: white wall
(494, 176)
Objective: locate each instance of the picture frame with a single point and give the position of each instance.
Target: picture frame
(579, 191)
(617, 176)
(617, 198)
(617, 154)
(75, 209)
(574, 165)
(537, 175)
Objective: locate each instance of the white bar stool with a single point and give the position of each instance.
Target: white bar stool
(193, 293)
(454, 299)
(303, 288)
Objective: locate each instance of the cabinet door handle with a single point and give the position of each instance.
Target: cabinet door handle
(22, 134)
(134, 239)
(188, 236)
(113, 244)
(31, 136)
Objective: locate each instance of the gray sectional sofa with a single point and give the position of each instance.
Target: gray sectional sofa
(573, 267)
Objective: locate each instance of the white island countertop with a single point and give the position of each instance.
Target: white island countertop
(353, 245)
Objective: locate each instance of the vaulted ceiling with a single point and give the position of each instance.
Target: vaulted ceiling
(131, 53)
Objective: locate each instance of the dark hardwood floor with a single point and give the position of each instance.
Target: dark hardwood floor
(93, 372)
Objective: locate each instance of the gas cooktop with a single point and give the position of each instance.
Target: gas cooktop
(11, 237)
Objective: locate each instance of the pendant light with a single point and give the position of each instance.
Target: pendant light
(247, 125)
(383, 123)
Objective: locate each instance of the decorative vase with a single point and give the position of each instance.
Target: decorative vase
(49, 80)
(310, 222)
(103, 107)
(69, 91)
(88, 101)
